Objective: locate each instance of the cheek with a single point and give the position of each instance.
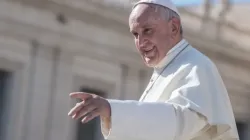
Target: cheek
(161, 45)
(136, 44)
(163, 39)
(159, 49)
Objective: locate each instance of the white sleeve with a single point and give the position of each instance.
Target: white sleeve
(189, 123)
(146, 121)
(199, 99)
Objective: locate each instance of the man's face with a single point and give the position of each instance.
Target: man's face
(152, 33)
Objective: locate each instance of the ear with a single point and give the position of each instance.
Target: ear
(175, 26)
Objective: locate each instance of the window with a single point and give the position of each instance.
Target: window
(4, 77)
(90, 130)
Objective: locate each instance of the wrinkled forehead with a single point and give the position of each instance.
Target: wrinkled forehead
(144, 13)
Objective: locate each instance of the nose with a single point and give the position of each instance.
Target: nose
(141, 41)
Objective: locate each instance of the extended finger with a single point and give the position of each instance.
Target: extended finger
(78, 107)
(91, 115)
(85, 110)
(80, 95)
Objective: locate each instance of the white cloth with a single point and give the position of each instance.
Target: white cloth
(165, 3)
(185, 100)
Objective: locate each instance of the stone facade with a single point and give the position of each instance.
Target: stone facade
(51, 48)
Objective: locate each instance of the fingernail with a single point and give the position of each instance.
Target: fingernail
(83, 120)
(70, 114)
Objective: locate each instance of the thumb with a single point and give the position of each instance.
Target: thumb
(80, 95)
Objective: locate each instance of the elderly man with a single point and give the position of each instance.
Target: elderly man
(185, 99)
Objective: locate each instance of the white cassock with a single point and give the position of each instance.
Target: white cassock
(185, 100)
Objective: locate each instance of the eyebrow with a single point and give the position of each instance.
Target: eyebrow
(148, 25)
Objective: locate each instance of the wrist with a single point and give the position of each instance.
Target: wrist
(107, 110)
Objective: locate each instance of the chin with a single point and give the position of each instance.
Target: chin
(150, 62)
(149, 65)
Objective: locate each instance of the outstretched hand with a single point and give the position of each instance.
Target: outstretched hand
(90, 107)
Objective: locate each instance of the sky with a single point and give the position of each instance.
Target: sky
(198, 2)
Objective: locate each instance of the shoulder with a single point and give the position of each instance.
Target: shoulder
(194, 57)
(191, 60)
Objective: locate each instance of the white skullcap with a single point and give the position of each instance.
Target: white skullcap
(165, 3)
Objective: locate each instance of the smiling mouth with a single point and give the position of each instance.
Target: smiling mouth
(150, 49)
(149, 53)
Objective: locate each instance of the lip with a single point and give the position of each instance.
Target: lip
(149, 52)
(149, 49)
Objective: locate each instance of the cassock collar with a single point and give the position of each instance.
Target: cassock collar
(171, 54)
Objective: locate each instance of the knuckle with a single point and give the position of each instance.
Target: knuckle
(77, 104)
(89, 115)
(94, 96)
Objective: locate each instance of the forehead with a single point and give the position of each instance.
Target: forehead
(144, 14)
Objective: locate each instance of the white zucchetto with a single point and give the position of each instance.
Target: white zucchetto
(164, 3)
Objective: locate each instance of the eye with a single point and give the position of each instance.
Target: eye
(148, 31)
(135, 34)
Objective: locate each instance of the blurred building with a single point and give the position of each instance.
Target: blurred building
(49, 48)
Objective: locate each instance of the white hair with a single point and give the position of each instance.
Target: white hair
(168, 14)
